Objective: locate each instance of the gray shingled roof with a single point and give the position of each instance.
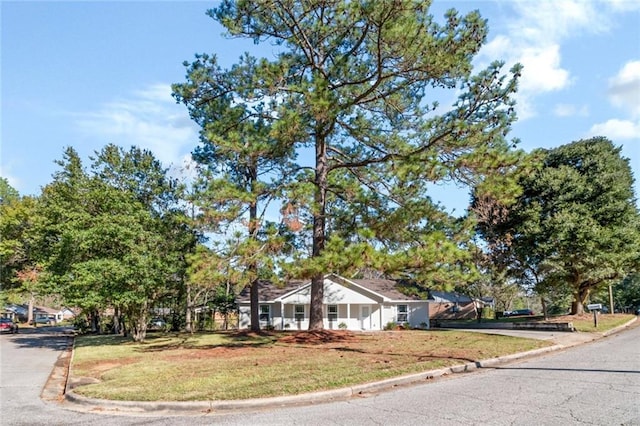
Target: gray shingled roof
(269, 291)
(387, 288)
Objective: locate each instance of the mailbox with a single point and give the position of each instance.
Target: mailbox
(595, 308)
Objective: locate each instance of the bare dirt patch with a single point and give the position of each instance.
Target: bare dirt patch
(318, 337)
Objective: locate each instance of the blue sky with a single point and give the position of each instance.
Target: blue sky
(85, 74)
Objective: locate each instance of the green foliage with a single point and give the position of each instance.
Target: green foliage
(575, 227)
(627, 292)
(391, 325)
(113, 236)
(21, 254)
(7, 192)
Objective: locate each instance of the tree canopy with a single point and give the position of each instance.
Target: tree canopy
(576, 226)
(113, 238)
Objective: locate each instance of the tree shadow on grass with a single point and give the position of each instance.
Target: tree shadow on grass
(229, 341)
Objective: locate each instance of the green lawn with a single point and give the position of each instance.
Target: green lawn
(224, 366)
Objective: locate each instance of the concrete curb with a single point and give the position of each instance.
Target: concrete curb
(81, 403)
(56, 385)
(619, 328)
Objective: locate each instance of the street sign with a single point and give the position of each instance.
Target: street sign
(595, 306)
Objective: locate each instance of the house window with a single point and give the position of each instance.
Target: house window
(402, 313)
(299, 313)
(332, 312)
(265, 313)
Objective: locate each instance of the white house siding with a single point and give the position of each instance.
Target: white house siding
(291, 323)
(275, 318)
(334, 294)
(358, 308)
(417, 313)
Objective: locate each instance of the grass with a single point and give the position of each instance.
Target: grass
(584, 323)
(225, 366)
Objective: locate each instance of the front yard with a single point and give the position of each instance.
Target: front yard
(225, 366)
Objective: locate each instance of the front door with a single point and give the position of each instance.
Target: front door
(365, 317)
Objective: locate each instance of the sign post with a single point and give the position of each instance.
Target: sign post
(595, 307)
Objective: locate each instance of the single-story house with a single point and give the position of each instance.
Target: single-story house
(46, 315)
(351, 304)
(66, 313)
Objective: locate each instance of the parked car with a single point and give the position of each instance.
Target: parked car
(8, 326)
(519, 313)
(157, 324)
(45, 320)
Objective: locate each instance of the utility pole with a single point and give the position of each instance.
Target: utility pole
(611, 299)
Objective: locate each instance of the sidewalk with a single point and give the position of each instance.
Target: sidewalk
(59, 389)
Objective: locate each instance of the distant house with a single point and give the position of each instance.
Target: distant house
(352, 304)
(452, 305)
(16, 312)
(7, 312)
(45, 315)
(67, 313)
(41, 314)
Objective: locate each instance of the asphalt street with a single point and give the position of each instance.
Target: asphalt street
(596, 383)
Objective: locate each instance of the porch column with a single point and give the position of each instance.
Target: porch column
(281, 315)
(348, 316)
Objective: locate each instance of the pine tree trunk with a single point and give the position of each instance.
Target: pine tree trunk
(319, 221)
(254, 296)
(254, 301)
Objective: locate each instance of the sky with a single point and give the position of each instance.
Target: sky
(86, 73)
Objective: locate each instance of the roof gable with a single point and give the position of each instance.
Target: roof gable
(337, 290)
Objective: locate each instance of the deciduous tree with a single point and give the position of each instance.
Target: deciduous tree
(113, 239)
(576, 225)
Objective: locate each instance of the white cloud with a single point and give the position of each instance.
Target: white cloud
(624, 88)
(569, 110)
(617, 130)
(542, 71)
(546, 22)
(624, 5)
(534, 36)
(149, 119)
(624, 93)
(185, 170)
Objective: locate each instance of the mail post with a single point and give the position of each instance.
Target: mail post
(595, 308)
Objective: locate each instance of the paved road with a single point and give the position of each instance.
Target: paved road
(597, 384)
